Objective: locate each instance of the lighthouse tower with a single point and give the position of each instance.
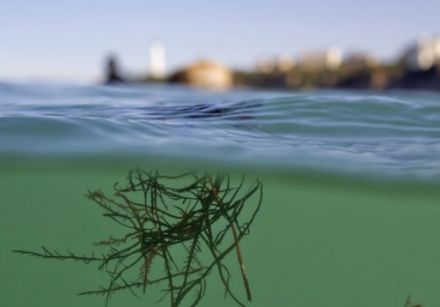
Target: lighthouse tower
(157, 60)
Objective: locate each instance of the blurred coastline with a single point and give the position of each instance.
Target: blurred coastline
(417, 67)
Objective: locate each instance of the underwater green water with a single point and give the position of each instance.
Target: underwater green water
(317, 241)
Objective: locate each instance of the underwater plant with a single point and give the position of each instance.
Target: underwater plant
(409, 303)
(184, 230)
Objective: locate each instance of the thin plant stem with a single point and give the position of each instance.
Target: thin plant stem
(241, 263)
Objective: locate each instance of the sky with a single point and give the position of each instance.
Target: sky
(67, 40)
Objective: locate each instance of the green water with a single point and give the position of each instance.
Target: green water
(317, 241)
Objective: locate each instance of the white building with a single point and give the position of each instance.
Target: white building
(423, 54)
(285, 62)
(330, 59)
(157, 60)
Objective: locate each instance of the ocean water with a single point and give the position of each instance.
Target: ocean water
(351, 186)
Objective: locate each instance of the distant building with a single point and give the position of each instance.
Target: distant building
(266, 65)
(360, 60)
(282, 63)
(316, 60)
(157, 60)
(422, 55)
(285, 63)
(205, 74)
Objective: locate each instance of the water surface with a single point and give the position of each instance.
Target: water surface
(389, 133)
(351, 187)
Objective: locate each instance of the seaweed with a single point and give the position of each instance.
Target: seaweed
(185, 231)
(409, 303)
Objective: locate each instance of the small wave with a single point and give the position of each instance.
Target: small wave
(391, 132)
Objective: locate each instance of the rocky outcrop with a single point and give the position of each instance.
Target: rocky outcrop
(204, 74)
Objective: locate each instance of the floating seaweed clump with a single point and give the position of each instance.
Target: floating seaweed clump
(184, 231)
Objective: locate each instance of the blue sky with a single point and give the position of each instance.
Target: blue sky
(47, 39)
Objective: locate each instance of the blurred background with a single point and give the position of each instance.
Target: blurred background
(293, 44)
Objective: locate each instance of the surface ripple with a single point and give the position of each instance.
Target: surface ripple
(394, 133)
